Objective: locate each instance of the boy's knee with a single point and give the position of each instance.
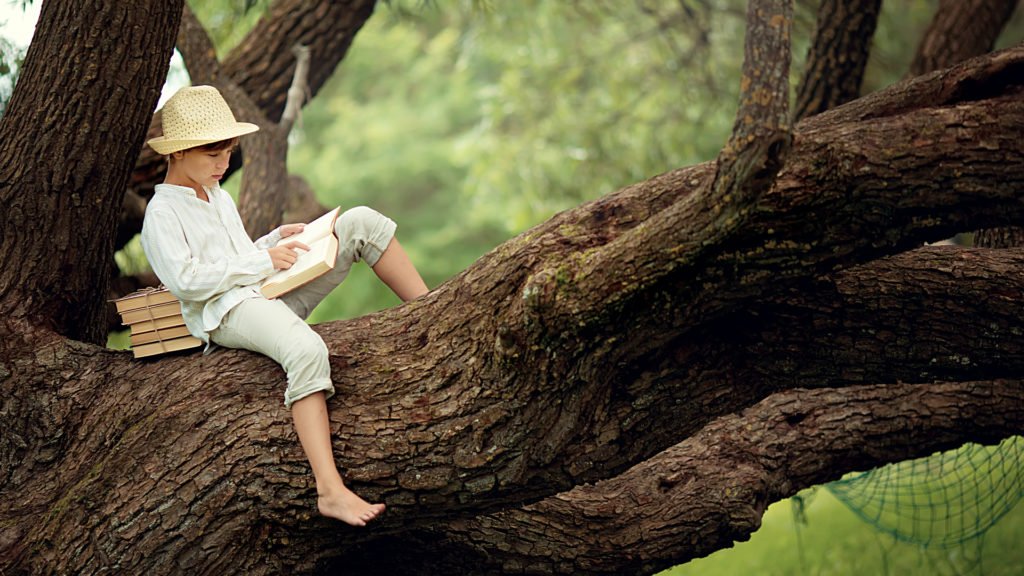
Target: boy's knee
(314, 349)
(364, 233)
(360, 218)
(306, 349)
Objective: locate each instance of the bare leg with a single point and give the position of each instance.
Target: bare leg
(336, 500)
(396, 270)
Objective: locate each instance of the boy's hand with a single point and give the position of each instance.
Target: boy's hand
(290, 229)
(285, 255)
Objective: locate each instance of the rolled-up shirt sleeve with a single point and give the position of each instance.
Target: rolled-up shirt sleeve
(186, 275)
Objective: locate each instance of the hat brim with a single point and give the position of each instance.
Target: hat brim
(165, 146)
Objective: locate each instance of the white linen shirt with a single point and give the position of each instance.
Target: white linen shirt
(202, 254)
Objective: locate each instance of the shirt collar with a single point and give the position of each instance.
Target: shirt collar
(182, 190)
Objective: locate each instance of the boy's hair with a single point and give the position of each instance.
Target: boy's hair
(218, 146)
(211, 147)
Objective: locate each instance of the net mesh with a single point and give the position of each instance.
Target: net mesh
(943, 500)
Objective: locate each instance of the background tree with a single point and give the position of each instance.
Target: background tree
(593, 341)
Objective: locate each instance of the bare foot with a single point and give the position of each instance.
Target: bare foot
(347, 507)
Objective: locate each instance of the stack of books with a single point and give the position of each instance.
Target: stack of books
(154, 316)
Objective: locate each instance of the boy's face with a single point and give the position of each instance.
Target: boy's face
(204, 167)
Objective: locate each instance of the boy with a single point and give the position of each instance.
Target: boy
(196, 243)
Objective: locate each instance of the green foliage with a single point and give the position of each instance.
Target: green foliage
(11, 58)
(467, 122)
(228, 21)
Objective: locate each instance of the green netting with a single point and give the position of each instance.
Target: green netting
(942, 500)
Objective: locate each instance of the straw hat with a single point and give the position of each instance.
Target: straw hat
(197, 115)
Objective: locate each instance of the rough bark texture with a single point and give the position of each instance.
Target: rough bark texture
(761, 133)
(930, 314)
(961, 29)
(263, 64)
(63, 152)
(189, 463)
(837, 56)
(1006, 237)
(870, 149)
(710, 490)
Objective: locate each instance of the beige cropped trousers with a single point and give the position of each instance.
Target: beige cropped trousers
(277, 328)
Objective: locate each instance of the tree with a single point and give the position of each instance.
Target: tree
(685, 318)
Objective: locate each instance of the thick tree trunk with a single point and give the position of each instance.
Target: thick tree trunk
(74, 126)
(961, 29)
(515, 380)
(837, 56)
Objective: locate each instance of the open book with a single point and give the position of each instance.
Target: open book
(323, 250)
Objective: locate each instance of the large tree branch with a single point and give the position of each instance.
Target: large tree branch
(714, 374)
(712, 489)
(837, 56)
(262, 64)
(978, 78)
(197, 50)
(931, 313)
(960, 30)
(761, 134)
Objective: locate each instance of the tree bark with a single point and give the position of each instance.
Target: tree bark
(444, 414)
(837, 56)
(74, 126)
(1005, 237)
(961, 29)
(930, 314)
(710, 490)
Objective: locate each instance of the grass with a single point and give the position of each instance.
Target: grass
(834, 541)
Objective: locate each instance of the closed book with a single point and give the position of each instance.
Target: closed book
(311, 264)
(157, 335)
(159, 311)
(157, 324)
(143, 298)
(173, 345)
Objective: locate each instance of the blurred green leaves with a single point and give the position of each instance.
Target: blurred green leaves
(11, 58)
(468, 124)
